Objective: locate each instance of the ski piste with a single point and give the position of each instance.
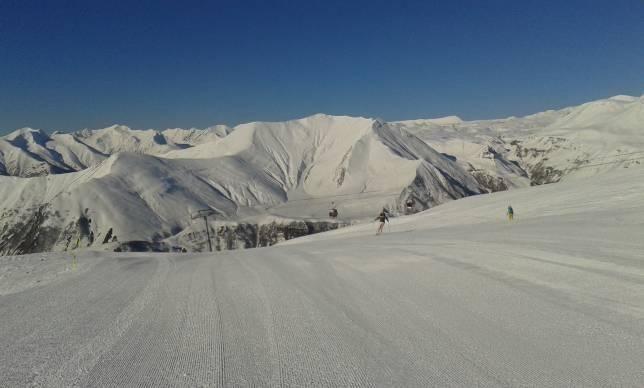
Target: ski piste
(455, 288)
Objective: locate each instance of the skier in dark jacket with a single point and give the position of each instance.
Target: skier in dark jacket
(510, 213)
(382, 217)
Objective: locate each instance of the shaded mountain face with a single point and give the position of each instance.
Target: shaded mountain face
(145, 185)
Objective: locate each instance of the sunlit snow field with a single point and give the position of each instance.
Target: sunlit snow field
(454, 296)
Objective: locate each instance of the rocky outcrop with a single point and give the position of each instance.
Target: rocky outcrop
(245, 235)
(490, 182)
(26, 232)
(534, 160)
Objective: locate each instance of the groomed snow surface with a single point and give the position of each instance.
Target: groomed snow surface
(455, 296)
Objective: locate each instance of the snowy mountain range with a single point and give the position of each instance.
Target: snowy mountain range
(83, 188)
(577, 141)
(455, 296)
(31, 152)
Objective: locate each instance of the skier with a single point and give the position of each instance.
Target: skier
(510, 213)
(382, 217)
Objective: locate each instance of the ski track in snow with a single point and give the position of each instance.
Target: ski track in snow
(553, 299)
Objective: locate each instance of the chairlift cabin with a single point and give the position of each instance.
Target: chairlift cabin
(409, 206)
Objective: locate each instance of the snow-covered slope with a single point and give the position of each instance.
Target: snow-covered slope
(119, 138)
(326, 155)
(143, 185)
(454, 297)
(30, 152)
(585, 140)
(292, 169)
(605, 201)
(193, 137)
(506, 153)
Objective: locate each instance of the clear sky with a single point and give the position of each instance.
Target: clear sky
(66, 65)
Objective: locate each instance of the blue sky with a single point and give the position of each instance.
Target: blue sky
(66, 65)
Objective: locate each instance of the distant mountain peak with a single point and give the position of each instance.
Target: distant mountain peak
(623, 98)
(447, 120)
(26, 131)
(118, 128)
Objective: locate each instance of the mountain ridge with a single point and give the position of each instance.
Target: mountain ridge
(73, 189)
